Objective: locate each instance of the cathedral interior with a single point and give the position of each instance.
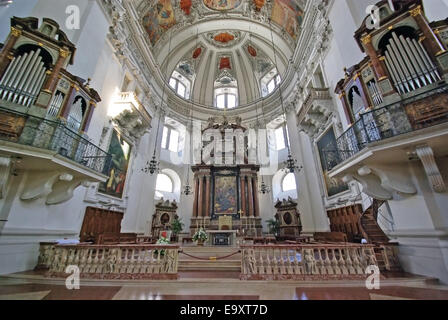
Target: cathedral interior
(224, 149)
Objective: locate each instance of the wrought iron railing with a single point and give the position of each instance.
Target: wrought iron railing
(405, 116)
(46, 134)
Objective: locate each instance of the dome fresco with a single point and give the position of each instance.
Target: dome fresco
(222, 5)
(240, 43)
(162, 14)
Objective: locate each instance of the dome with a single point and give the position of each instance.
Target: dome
(220, 53)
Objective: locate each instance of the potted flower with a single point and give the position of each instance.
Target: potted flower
(161, 241)
(200, 237)
(177, 226)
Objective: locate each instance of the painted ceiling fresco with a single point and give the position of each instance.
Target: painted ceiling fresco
(158, 20)
(288, 15)
(161, 17)
(222, 4)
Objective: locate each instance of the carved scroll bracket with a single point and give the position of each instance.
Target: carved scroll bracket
(393, 177)
(5, 173)
(371, 186)
(56, 186)
(426, 155)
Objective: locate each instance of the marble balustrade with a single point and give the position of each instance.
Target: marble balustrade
(137, 261)
(303, 262)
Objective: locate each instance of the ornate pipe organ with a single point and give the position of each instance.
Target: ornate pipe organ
(226, 183)
(34, 79)
(401, 85)
(41, 104)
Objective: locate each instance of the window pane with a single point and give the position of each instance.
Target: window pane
(165, 138)
(271, 85)
(280, 139)
(181, 90)
(231, 101)
(164, 183)
(220, 101)
(278, 79)
(174, 141)
(173, 83)
(289, 182)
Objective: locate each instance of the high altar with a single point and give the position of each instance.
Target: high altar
(226, 190)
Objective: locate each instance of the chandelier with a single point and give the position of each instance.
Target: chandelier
(264, 188)
(152, 166)
(188, 190)
(290, 164)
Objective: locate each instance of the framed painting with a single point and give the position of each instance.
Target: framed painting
(288, 15)
(225, 195)
(120, 151)
(326, 147)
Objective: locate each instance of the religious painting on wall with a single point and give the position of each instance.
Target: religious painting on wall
(288, 15)
(222, 4)
(120, 151)
(159, 20)
(327, 146)
(226, 198)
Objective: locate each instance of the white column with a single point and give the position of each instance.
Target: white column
(310, 201)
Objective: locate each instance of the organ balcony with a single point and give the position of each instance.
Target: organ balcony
(316, 110)
(44, 114)
(397, 106)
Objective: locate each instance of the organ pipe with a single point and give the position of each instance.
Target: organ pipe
(23, 78)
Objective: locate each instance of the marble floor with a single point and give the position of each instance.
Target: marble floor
(217, 286)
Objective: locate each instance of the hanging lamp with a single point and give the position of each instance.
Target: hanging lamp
(291, 164)
(152, 166)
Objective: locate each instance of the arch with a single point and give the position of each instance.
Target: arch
(77, 112)
(289, 182)
(168, 185)
(278, 190)
(27, 48)
(406, 31)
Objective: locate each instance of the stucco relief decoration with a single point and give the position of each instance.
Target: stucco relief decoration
(159, 19)
(224, 63)
(222, 5)
(252, 51)
(185, 5)
(259, 4)
(288, 15)
(197, 53)
(224, 37)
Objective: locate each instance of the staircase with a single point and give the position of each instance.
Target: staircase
(375, 235)
(372, 231)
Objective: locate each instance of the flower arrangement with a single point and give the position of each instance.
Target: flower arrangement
(200, 236)
(162, 241)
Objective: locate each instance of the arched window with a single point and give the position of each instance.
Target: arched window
(226, 91)
(170, 139)
(270, 82)
(289, 182)
(180, 84)
(226, 98)
(164, 183)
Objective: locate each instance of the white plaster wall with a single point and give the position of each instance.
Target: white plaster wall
(19, 8)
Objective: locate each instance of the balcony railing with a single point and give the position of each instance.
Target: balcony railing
(45, 134)
(418, 112)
